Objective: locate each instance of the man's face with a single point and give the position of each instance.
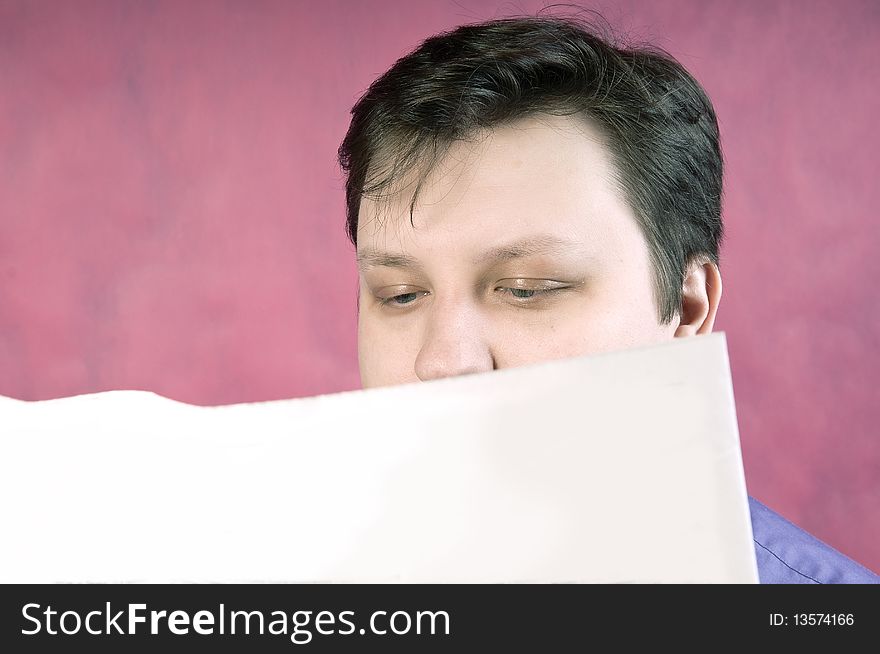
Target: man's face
(522, 250)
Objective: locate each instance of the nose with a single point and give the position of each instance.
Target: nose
(453, 344)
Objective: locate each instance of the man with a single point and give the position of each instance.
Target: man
(523, 190)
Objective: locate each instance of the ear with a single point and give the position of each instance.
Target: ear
(700, 296)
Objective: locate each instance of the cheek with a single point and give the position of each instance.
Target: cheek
(623, 312)
(385, 357)
(604, 322)
(573, 332)
(625, 317)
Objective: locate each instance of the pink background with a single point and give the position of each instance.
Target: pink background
(171, 213)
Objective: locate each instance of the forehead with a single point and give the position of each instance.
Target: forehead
(542, 175)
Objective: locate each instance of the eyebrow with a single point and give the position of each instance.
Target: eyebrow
(376, 258)
(527, 247)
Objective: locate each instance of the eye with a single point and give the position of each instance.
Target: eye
(401, 300)
(529, 291)
(404, 298)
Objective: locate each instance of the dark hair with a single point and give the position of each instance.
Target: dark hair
(658, 123)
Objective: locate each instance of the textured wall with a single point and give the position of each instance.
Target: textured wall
(171, 214)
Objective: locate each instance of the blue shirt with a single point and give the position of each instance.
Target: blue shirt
(789, 555)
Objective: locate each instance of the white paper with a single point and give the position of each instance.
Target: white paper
(623, 467)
